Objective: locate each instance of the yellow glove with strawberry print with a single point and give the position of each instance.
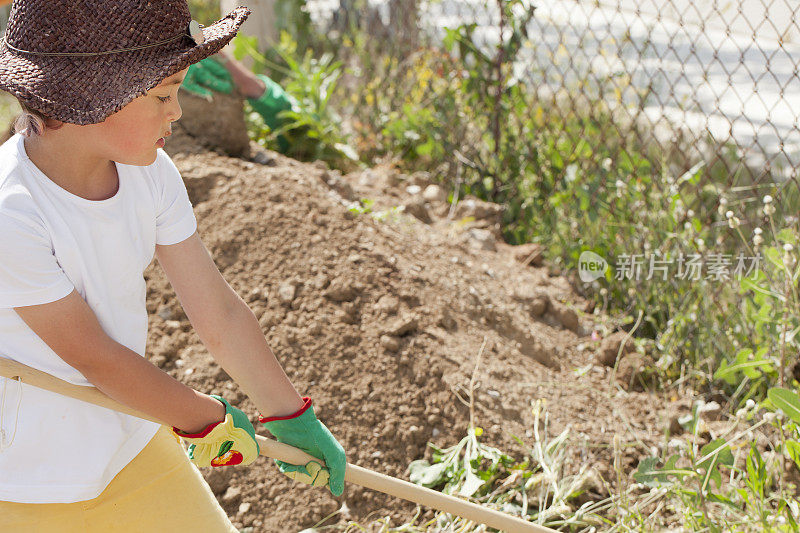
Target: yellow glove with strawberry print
(231, 441)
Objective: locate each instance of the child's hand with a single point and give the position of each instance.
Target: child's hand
(303, 430)
(229, 442)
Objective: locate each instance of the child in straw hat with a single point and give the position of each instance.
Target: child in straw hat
(87, 198)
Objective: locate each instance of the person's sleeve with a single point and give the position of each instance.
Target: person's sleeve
(29, 271)
(175, 220)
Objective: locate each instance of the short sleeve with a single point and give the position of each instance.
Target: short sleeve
(175, 220)
(29, 271)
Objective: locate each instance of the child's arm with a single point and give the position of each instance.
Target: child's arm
(70, 328)
(227, 327)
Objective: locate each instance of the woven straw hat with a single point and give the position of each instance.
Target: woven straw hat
(80, 61)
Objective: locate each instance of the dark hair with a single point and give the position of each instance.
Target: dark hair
(32, 122)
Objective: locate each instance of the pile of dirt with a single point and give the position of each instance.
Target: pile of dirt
(380, 322)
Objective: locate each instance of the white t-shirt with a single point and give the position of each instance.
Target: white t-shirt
(51, 242)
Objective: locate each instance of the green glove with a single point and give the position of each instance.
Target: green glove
(268, 105)
(231, 441)
(273, 101)
(303, 430)
(207, 74)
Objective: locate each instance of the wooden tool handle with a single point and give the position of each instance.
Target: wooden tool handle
(289, 454)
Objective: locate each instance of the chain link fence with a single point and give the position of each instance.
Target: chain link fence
(721, 74)
(704, 80)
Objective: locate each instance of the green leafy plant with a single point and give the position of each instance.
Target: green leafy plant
(716, 492)
(361, 207)
(312, 126)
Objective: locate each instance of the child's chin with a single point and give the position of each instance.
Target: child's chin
(142, 160)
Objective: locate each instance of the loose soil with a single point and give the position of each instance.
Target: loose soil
(380, 323)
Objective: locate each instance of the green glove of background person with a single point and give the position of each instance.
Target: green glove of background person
(207, 74)
(302, 430)
(210, 75)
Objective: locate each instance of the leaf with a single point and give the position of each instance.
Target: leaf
(713, 455)
(692, 175)
(346, 150)
(426, 474)
(426, 148)
(625, 162)
(787, 401)
(719, 498)
(648, 474)
(786, 235)
(471, 484)
(746, 283)
(774, 257)
(756, 472)
(793, 450)
(746, 363)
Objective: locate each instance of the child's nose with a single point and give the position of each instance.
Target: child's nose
(175, 111)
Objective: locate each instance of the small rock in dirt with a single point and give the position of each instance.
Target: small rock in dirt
(481, 239)
(565, 315)
(244, 508)
(340, 291)
(402, 326)
(675, 427)
(314, 328)
(433, 193)
(417, 434)
(609, 348)
(171, 326)
(390, 344)
(632, 372)
(232, 494)
(445, 319)
(320, 281)
(344, 189)
(286, 293)
(418, 210)
(546, 355)
(711, 410)
(524, 292)
(413, 189)
(479, 210)
(348, 314)
(529, 254)
(538, 306)
(165, 312)
(263, 158)
(387, 304)
(421, 178)
(254, 295)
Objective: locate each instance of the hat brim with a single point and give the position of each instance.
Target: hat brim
(87, 90)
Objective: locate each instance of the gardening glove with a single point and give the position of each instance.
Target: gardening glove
(302, 430)
(268, 105)
(273, 101)
(207, 74)
(231, 441)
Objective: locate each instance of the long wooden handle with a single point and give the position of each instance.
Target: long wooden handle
(289, 454)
